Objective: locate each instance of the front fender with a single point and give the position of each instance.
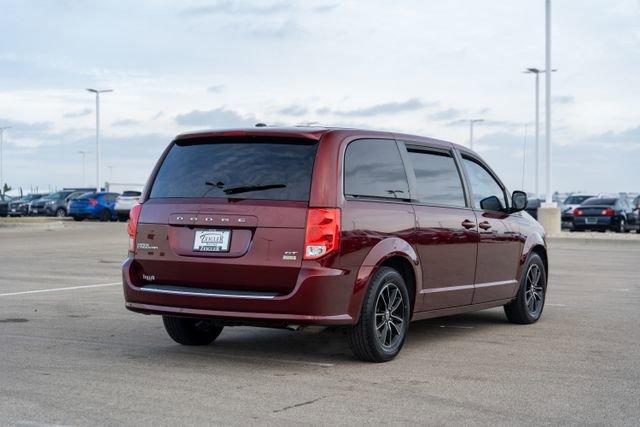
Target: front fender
(534, 239)
(382, 251)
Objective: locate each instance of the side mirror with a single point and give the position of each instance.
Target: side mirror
(491, 203)
(519, 201)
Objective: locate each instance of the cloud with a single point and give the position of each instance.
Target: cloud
(215, 88)
(448, 114)
(325, 8)
(80, 113)
(412, 104)
(228, 7)
(125, 122)
(627, 136)
(293, 110)
(563, 99)
(218, 118)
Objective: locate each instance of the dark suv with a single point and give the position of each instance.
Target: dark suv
(55, 204)
(318, 226)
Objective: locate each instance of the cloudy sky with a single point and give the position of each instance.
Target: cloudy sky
(418, 66)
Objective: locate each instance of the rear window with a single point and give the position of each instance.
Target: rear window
(600, 202)
(87, 196)
(576, 200)
(237, 168)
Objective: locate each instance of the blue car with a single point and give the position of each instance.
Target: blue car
(94, 205)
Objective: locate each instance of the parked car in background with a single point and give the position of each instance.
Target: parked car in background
(606, 213)
(636, 203)
(532, 207)
(94, 206)
(125, 202)
(4, 204)
(21, 206)
(55, 204)
(360, 229)
(570, 204)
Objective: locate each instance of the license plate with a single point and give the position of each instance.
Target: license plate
(13, 210)
(35, 211)
(591, 220)
(212, 241)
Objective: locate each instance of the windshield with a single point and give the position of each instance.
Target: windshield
(600, 202)
(238, 168)
(575, 200)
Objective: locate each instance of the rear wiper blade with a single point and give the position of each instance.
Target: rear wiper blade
(248, 188)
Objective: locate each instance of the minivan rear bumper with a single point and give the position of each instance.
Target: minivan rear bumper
(322, 296)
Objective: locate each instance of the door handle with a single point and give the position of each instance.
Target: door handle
(484, 225)
(468, 224)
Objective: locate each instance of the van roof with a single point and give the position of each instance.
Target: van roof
(309, 132)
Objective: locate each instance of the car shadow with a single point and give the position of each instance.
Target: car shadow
(322, 346)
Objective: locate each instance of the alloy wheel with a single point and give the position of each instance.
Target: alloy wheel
(390, 316)
(534, 294)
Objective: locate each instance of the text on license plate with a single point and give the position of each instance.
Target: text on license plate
(591, 220)
(212, 240)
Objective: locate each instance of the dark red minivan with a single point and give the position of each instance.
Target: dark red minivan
(286, 227)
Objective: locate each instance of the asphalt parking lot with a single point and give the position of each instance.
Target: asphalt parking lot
(78, 357)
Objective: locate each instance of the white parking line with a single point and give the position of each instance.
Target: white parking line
(71, 288)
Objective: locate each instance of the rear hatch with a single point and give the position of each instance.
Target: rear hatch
(227, 213)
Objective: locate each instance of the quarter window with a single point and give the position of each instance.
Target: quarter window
(374, 168)
(487, 193)
(437, 178)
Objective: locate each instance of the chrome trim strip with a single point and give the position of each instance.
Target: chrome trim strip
(467, 287)
(206, 294)
(501, 283)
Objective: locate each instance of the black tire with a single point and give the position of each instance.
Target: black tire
(60, 213)
(622, 226)
(78, 218)
(105, 215)
(364, 340)
(521, 310)
(187, 331)
(123, 217)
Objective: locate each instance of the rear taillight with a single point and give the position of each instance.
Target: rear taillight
(323, 232)
(607, 212)
(132, 227)
(93, 202)
(577, 212)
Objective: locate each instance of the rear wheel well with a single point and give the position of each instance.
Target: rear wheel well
(542, 252)
(404, 267)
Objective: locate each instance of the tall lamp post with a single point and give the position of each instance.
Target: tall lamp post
(98, 92)
(2, 129)
(83, 154)
(471, 122)
(547, 94)
(537, 72)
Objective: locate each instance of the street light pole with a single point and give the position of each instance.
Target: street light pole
(1, 159)
(98, 92)
(471, 122)
(83, 153)
(537, 73)
(549, 194)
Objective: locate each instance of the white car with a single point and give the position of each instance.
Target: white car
(125, 202)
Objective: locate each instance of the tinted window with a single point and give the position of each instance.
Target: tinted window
(437, 178)
(238, 168)
(87, 196)
(374, 168)
(601, 202)
(483, 186)
(575, 200)
(131, 194)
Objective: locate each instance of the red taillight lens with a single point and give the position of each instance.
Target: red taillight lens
(93, 202)
(132, 227)
(577, 212)
(323, 232)
(607, 212)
